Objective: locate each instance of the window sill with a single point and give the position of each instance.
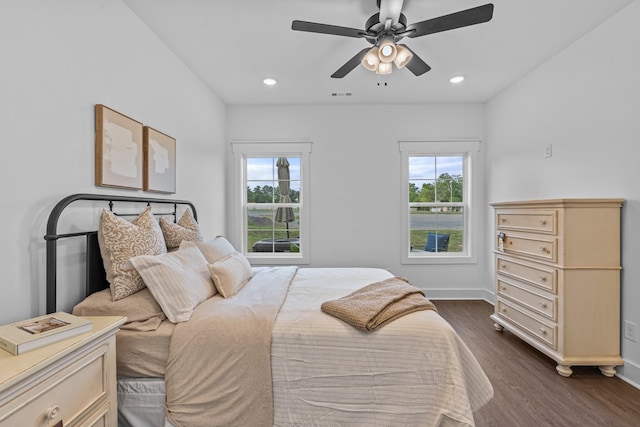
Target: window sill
(414, 258)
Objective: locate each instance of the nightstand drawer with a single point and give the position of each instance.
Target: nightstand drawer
(545, 333)
(528, 221)
(532, 246)
(536, 275)
(525, 296)
(68, 395)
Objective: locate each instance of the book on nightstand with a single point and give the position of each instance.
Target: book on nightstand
(27, 335)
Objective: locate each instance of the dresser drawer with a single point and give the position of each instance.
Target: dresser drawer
(540, 276)
(545, 333)
(528, 221)
(526, 296)
(532, 246)
(68, 396)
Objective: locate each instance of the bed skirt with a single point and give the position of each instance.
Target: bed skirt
(141, 402)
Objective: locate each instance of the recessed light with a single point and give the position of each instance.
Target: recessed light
(269, 82)
(456, 79)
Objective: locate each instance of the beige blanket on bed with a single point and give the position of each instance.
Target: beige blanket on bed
(224, 379)
(375, 305)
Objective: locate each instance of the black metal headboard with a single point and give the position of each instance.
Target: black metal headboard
(95, 274)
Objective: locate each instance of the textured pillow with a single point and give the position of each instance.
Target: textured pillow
(142, 311)
(178, 280)
(214, 250)
(185, 229)
(230, 274)
(121, 240)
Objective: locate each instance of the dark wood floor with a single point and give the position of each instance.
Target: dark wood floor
(527, 389)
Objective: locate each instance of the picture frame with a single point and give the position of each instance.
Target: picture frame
(159, 161)
(118, 150)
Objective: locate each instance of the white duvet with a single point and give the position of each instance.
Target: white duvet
(415, 371)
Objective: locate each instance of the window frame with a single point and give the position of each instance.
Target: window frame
(242, 150)
(469, 150)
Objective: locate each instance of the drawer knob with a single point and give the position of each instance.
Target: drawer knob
(543, 331)
(543, 304)
(504, 288)
(503, 219)
(503, 266)
(543, 279)
(543, 222)
(52, 412)
(504, 309)
(545, 250)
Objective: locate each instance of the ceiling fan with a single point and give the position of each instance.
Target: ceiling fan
(385, 29)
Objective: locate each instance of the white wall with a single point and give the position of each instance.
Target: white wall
(59, 59)
(356, 180)
(586, 103)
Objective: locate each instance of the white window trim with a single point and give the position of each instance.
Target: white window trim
(470, 149)
(240, 150)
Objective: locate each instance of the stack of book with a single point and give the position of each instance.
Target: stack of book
(20, 337)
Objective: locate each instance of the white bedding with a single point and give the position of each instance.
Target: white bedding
(415, 371)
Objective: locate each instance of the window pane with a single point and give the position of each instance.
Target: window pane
(273, 229)
(446, 223)
(261, 169)
(422, 168)
(422, 191)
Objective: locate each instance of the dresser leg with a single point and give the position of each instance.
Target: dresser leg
(564, 370)
(498, 327)
(608, 371)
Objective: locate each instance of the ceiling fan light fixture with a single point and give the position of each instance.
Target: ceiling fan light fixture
(371, 60)
(387, 50)
(384, 68)
(403, 57)
(456, 79)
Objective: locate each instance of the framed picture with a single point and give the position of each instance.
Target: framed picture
(159, 161)
(118, 149)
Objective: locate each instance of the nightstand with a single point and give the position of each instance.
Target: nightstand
(68, 383)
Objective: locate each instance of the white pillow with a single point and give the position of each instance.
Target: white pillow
(214, 250)
(230, 274)
(179, 281)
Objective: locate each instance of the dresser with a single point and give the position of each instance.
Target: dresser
(68, 383)
(557, 277)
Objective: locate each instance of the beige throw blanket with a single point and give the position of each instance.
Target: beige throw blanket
(219, 366)
(375, 305)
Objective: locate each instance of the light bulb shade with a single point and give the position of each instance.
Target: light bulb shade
(371, 60)
(387, 51)
(403, 57)
(384, 68)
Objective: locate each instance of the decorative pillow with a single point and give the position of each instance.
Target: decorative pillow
(121, 240)
(185, 229)
(142, 311)
(214, 250)
(230, 274)
(178, 280)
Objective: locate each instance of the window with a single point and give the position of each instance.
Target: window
(438, 198)
(271, 199)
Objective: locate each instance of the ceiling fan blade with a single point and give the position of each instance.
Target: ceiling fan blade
(464, 18)
(351, 64)
(314, 27)
(417, 66)
(390, 9)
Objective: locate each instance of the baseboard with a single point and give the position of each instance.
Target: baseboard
(629, 373)
(460, 294)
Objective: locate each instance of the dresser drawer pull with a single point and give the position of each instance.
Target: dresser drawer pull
(504, 309)
(503, 266)
(545, 250)
(52, 412)
(543, 222)
(503, 288)
(543, 279)
(543, 305)
(503, 219)
(543, 331)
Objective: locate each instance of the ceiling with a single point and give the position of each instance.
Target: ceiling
(233, 45)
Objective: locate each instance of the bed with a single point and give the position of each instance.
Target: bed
(263, 352)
